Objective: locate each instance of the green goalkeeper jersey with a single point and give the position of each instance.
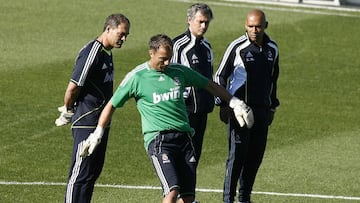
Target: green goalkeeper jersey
(159, 97)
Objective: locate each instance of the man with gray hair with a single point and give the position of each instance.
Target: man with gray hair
(193, 50)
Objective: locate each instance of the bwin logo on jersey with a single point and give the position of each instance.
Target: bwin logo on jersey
(173, 94)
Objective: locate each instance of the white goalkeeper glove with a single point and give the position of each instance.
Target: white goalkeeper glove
(92, 142)
(65, 116)
(243, 113)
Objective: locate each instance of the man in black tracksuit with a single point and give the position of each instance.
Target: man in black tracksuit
(249, 69)
(193, 50)
(89, 89)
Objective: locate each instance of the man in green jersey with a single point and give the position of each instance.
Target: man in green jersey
(158, 87)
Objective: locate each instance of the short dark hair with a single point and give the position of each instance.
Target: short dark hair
(160, 40)
(115, 20)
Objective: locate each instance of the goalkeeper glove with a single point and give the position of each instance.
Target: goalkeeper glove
(65, 116)
(243, 113)
(92, 142)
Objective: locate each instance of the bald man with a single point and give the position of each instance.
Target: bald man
(249, 70)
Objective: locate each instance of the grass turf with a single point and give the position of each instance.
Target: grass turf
(313, 143)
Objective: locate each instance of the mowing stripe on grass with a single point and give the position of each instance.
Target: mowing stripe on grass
(287, 7)
(34, 136)
(197, 189)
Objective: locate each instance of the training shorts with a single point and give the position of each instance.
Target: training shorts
(172, 155)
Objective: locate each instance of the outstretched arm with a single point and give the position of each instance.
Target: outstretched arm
(218, 91)
(94, 138)
(106, 115)
(243, 113)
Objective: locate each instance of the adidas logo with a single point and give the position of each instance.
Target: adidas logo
(249, 57)
(104, 67)
(194, 59)
(192, 160)
(161, 78)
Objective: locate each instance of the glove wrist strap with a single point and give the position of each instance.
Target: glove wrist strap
(234, 101)
(99, 130)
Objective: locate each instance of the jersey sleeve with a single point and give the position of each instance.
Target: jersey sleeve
(224, 70)
(226, 67)
(176, 58)
(84, 61)
(125, 91)
(274, 100)
(193, 78)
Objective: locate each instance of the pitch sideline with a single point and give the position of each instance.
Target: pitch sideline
(197, 189)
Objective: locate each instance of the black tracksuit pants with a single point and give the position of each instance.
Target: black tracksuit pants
(198, 122)
(246, 150)
(84, 171)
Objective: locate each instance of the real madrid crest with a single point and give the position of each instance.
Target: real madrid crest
(177, 81)
(270, 56)
(165, 158)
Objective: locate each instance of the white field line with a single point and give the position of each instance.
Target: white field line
(297, 8)
(197, 189)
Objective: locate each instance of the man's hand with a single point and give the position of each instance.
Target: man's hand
(271, 116)
(225, 113)
(65, 116)
(92, 142)
(243, 113)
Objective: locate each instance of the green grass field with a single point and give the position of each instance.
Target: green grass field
(314, 144)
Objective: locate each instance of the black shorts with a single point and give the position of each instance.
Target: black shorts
(172, 155)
